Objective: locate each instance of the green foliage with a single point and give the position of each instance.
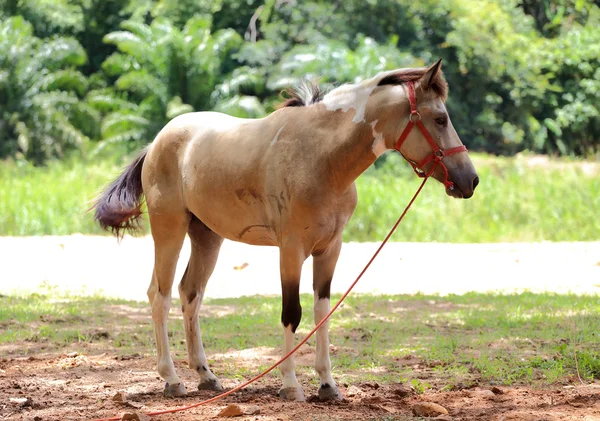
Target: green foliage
(167, 72)
(523, 74)
(49, 17)
(41, 91)
(514, 89)
(515, 201)
(552, 17)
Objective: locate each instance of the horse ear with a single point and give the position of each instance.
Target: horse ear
(428, 78)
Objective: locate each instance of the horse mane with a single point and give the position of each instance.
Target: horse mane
(438, 84)
(307, 94)
(302, 96)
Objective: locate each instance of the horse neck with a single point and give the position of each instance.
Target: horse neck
(346, 147)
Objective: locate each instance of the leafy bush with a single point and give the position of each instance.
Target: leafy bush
(108, 74)
(40, 89)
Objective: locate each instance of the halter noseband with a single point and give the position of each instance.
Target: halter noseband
(438, 153)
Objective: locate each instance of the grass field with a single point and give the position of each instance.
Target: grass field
(450, 341)
(556, 201)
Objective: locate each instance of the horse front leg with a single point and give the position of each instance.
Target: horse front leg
(323, 268)
(291, 260)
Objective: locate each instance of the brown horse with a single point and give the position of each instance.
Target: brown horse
(285, 180)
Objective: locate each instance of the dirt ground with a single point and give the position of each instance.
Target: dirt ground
(69, 386)
(72, 386)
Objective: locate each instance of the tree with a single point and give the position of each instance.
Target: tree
(160, 72)
(42, 113)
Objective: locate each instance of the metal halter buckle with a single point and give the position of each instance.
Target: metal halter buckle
(416, 114)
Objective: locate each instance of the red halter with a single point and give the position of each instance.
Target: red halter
(438, 153)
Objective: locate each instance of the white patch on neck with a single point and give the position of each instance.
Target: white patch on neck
(379, 141)
(277, 135)
(350, 97)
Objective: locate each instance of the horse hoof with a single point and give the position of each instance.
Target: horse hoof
(211, 384)
(174, 390)
(328, 393)
(292, 394)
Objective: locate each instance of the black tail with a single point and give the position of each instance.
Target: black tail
(119, 207)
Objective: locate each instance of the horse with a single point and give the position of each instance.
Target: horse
(285, 180)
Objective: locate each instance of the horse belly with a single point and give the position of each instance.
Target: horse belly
(236, 220)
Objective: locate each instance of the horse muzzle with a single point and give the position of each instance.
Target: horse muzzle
(464, 186)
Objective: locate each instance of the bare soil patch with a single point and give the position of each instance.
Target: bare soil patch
(72, 386)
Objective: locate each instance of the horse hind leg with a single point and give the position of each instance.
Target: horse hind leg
(205, 251)
(168, 233)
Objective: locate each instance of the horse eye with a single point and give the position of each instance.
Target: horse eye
(441, 121)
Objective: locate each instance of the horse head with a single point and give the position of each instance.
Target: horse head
(405, 100)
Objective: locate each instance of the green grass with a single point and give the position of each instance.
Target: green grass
(514, 202)
(426, 341)
(52, 200)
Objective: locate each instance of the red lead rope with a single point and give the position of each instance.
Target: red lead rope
(438, 153)
(252, 380)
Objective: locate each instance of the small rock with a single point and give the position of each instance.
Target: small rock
(22, 402)
(126, 357)
(252, 410)
(119, 397)
(428, 409)
(497, 391)
(354, 391)
(232, 410)
(134, 416)
(72, 354)
(402, 391)
(483, 394)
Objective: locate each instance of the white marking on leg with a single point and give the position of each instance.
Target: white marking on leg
(195, 348)
(274, 141)
(322, 361)
(160, 311)
(379, 146)
(288, 367)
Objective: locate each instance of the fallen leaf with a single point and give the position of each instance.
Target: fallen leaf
(232, 410)
(244, 265)
(119, 397)
(134, 416)
(428, 409)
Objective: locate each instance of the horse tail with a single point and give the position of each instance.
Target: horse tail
(119, 207)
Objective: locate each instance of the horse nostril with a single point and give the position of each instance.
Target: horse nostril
(475, 182)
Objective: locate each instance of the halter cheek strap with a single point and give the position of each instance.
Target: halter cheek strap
(437, 154)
